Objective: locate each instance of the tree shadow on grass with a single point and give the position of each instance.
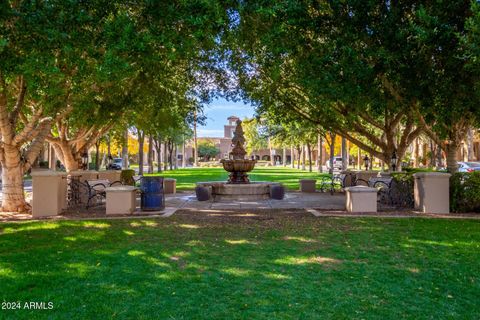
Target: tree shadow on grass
(252, 264)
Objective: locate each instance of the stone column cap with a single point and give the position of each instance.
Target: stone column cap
(435, 175)
(120, 189)
(169, 179)
(361, 189)
(48, 173)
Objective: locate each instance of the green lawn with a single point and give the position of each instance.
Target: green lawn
(260, 266)
(186, 178)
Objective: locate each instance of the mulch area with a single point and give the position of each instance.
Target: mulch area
(240, 215)
(80, 213)
(219, 216)
(397, 214)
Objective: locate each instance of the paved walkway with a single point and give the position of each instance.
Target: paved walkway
(293, 200)
(317, 204)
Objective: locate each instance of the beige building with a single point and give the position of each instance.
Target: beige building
(224, 145)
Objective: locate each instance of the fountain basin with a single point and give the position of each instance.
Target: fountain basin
(238, 169)
(249, 191)
(238, 165)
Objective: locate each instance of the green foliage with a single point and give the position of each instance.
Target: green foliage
(255, 137)
(126, 177)
(367, 70)
(207, 150)
(465, 192)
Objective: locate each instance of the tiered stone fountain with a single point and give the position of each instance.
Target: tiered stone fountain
(237, 165)
(238, 186)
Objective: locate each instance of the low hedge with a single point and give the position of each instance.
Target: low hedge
(464, 189)
(126, 177)
(465, 192)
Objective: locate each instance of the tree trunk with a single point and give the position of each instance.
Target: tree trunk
(141, 141)
(52, 158)
(125, 150)
(158, 148)
(303, 157)
(292, 157)
(195, 142)
(416, 153)
(184, 157)
(150, 154)
(175, 164)
(344, 154)
(332, 151)
(320, 154)
(284, 157)
(109, 147)
(298, 149)
(12, 181)
(97, 155)
(170, 154)
(309, 151)
(359, 159)
(470, 151)
(452, 150)
(433, 151)
(69, 157)
(165, 156)
(439, 156)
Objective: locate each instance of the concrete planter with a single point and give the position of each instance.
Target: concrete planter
(49, 193)
(170, 185)
(361, 199)
(120, 200)
(432, 192)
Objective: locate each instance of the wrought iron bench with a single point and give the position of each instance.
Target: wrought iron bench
(393, 192)
(338, 182)
(96, 189)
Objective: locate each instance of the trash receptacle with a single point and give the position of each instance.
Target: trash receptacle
(153, 197)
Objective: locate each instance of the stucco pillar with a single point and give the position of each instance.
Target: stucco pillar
(120, 200)
(361, 199)
(431, 192)
(49, 193)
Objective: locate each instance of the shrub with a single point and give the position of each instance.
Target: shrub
(465, 192)
(126, 177)
(43, 164)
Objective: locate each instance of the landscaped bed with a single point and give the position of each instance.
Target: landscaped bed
(243, 265)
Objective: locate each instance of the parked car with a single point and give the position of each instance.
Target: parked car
(468, 166)
(337, 163)
(116, 164)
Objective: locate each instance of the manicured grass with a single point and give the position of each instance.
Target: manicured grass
(186, 178)
(253, 266)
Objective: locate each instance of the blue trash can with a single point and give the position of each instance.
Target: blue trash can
(153, 197)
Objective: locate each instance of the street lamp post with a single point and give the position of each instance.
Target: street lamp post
(85, 160)
(366, 161)
(393, 161)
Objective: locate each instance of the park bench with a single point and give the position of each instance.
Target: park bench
(338, 182)
(393, 192)
(96, 189)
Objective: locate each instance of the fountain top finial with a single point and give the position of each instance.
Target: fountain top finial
(238, 140)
